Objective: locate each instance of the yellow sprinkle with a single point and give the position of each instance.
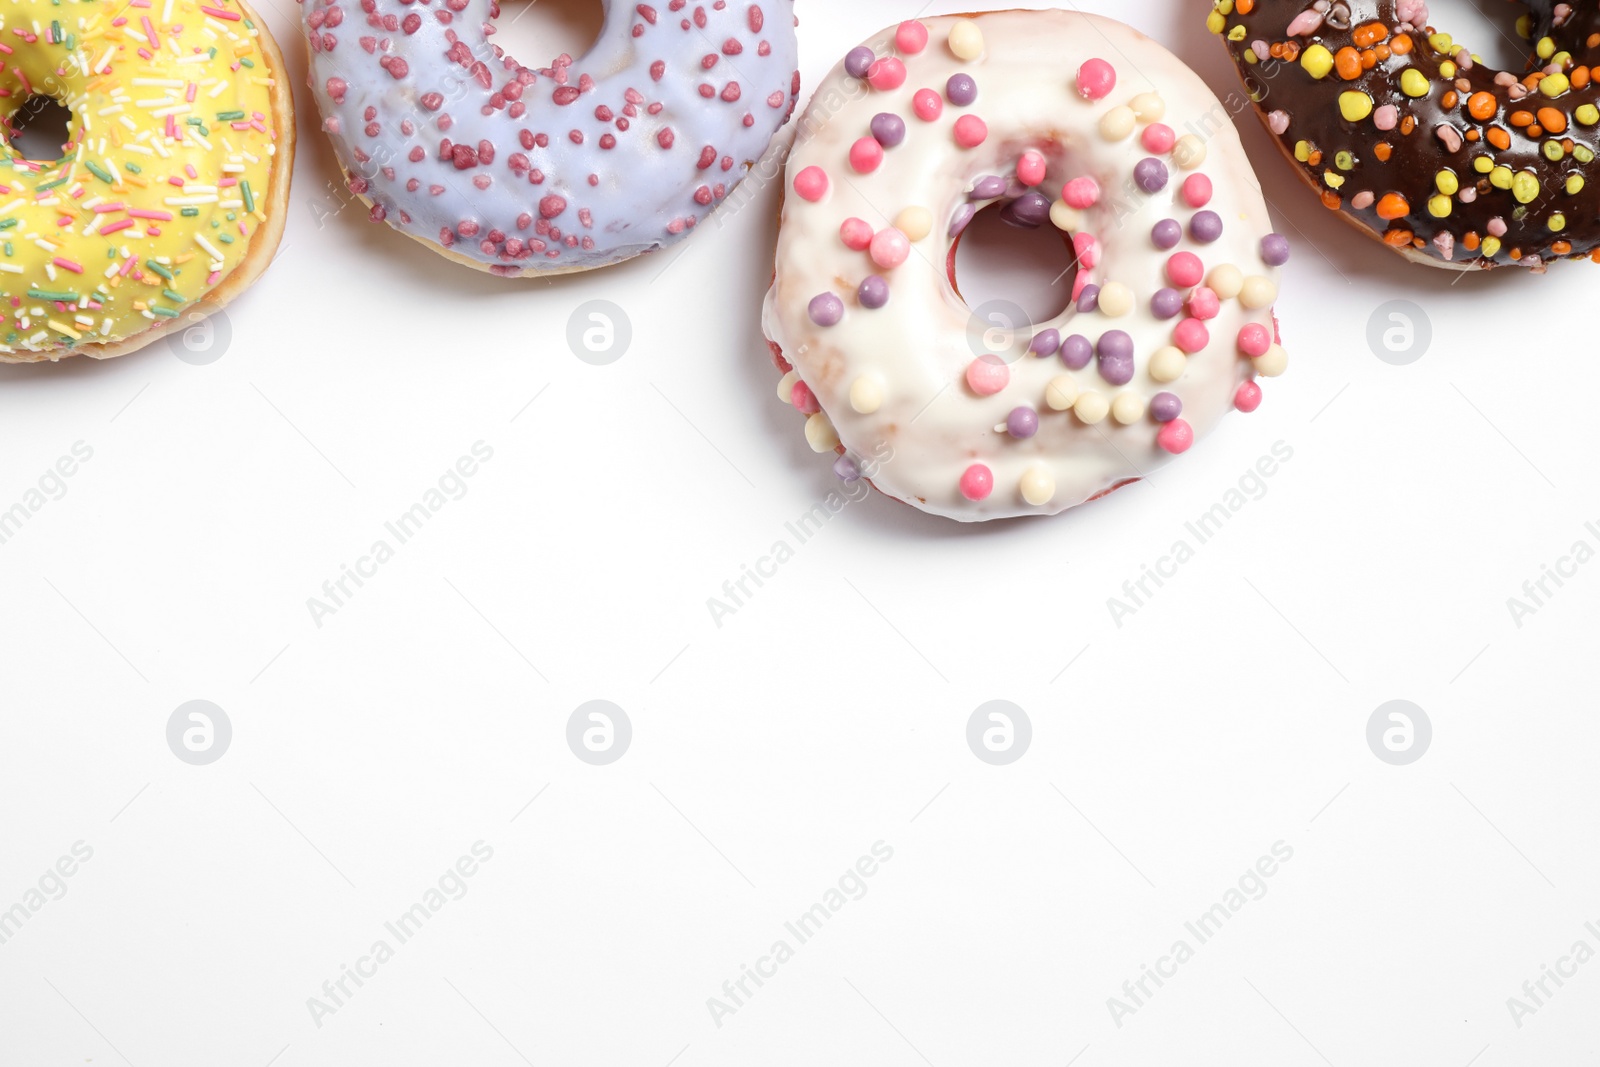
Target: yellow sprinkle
(1317, 61)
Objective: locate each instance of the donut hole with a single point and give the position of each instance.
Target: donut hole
(996, 262)
(535, 32)
(1488, 31)
(40, 129)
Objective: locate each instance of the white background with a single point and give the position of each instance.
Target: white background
(829, 713)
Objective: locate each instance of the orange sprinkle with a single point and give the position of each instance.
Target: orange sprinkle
(1499, 137)
(1449, 100)
(1382, 52)
(1407, 125)
(1474, 135)
(1369, 59)
(1383, 150)
(1244, 7)
(1371, 33)
(1347, 61)
(1521, 118)
(1535, 131)
(1579, 77)
(1471, 241)
(1330, 200)
(1482, 106)
(1561, 248)
(1398, 237)
(1401, 45)
(1552, 120)
(1393, 206)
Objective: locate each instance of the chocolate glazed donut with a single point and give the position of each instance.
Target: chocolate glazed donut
(1404, 133)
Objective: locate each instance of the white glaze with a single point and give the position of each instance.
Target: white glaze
(917, 348)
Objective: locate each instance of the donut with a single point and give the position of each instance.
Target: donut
(578, 165)
(1405, 134)
(169, 196)
(1054, 118)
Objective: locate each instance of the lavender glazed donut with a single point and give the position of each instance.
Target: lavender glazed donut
(579, 165)
(1054, 118)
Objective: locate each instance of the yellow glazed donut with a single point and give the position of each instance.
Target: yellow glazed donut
(169, 198)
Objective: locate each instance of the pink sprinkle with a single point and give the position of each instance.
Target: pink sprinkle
(866, 155)
(149, 31)
(188, 94)
(988, 374)
(927, 104)
(890, 248)
(856, 234)
(1184, 269)
(1031, 168)
(1191, 336)
(977, 482)
(1248, 397)
(971, 131)
(1158, 138)
(1204, 304)
(1254, 340)
(113, 227)
(188, 168)
(175, 180)
(67, 264)
(214, 277)
(810, 184)
(1081, 193)
(146, 213)
(1197, 190)
(218, 13)
(1175, 436)
(1096, 79)
(225, 182)
(128, 265)
(886, 74)
(911, 37)
(101, 209)
(1086, 248)
(804, 399)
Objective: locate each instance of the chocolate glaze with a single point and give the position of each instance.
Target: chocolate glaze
(1487, 224)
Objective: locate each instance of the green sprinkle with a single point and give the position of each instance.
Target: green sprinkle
(229, 116)
(159, 269)
(246, 63)
(175, 297)
(6, 224)
(99, 172)
(51, 185)
(53, 294)
(8, 248)
(226, 239)
(249, 197)
(189, 212)
(72, 42)
(134, 167)
(55, 30)
(166, 313)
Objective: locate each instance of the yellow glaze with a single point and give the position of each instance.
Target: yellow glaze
(171, 113)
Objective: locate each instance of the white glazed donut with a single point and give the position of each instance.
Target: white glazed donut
(1136, 159)
(582, 164)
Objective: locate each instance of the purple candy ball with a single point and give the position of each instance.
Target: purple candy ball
(846, 468)
(1166, 234)
(1150, 175)
(962, 219)
(1028, 211)
(888, 130)
(1275, 250)
(1164, 407)
(858, 60)
(1089, 299)
(961, 89)
(988, 187)
(1047, 343)
(1166, 303)
(1022, 422)
(873, 292)
(1116, 357)
(1076, 351)
(826, 309)
(1205, 227)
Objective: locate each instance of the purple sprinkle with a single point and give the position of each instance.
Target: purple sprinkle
(963, 217)
(1150, 175)
(858, 60)
(1275, 249)
(1028, 211)
(1022, 422)
(846, 468)
(961, 89)
(1089, 299)
(1164, 407)
(1047, 343)
(1166, 303)
(1205, 227)
(1076, 351)
(873, 292)
(826, 309)
(988, 187)
(889, 130)
(1166, 234)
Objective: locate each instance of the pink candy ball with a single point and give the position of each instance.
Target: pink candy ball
(1197, 190)
(1191, 336)
(856, 234)
(886, 74)
(1081, 193)
(866, 155)
(987, 375)
(1158, 138)
(911, 37)
(811, 184)
(1086, 249)
(1031, 168)
(1204, 304)
(1175, 436)
(1247, 397)
(803, 398)
(1096, 79)
(1254, 340)
(890, 248)
(927, 104)
(977, 482)
(971, 131)
(1184, 269)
